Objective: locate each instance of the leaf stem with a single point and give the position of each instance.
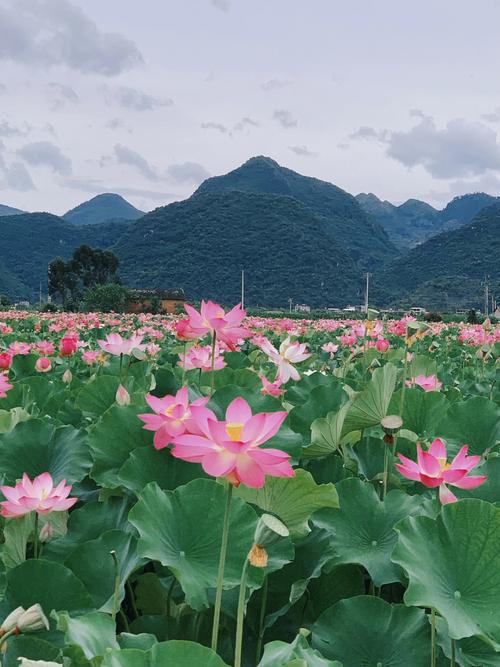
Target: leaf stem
(35, 536)
(212, 378)
(240, 616)
(262, 616)
(116, 591)
(220, 573)
(433, 637)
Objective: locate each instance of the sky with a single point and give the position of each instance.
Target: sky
(147, 99)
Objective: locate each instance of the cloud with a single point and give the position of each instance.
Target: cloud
(223, 5)
(214, 126)
(57, 32)
(275, 84)
(303, 151)
(284, 118)
(117, 124)
(126, 155)
(8, 130)
(369, 133)
(245, 122)
(46, 154)
(493, 117)
(95, 186)
(188, 172)
(14, 176)
(3, 89)
(462, 148)
(60, 95)
(131, 98)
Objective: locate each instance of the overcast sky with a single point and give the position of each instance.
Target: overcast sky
(147, 98)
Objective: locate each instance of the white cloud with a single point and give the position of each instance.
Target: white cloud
(223, 5)
(60, 94)
(131, 98)
(46, 154)
(275, 84)
(188, 172)
(245, 122)
(126, 155)
(285, 118)
(302, 151)
(214, 126)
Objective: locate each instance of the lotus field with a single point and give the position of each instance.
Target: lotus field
(218, 489)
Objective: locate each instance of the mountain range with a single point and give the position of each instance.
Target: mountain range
(296, 237)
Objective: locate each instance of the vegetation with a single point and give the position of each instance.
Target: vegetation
(103, 208)
(110, 297)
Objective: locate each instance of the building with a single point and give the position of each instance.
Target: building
(155, 301)
(302, 308)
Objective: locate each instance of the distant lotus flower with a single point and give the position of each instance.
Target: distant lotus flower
(382, 345)
(433, 470)
(172, 418)
(152, 349)
(330, 348)
(68, 345)
(4, 385)
(91, 357)
(231, 448)
(213, 319)
(122, 396)
(43, 364)
(45, 348)
(428, 383)
(368, 328)
(19, 348)
(289, 354)
(116, 345)
(348, 340)
(5, 361)
(39, 495)
(271, 388)
(201, 358)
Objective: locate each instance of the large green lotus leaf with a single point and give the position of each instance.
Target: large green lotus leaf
(344, 581)
(9, 419)
(23, 365)
(87, 523)
(16, 535)
(363, 528)
(97, 396)
(111, 440)
(366, 630)
(489, 490)
(280, 654)
(326, 433)
(371, 405)
(323, 399)
(453, 564)
(34, 648)
(369, 453)
(51, 584)
(469, 652)
(299, 392)
(175, 653)
(94, 634)
(422, 364)
(93, 565)
(146, 464)
(240, 377)
(475, 422)
(422, 410)
(37, 446)
(182, 529)
(292, 499)
(143, 641)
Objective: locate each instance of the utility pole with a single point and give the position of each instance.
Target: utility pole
(367, 291)
(242, 288)
(40, 294)
(486, 284)
(290, 304)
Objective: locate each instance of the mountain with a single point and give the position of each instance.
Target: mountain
(416, 221)
(202, 243)
(103, 208)
(448, 269)
(8, 210)
(47, 237)
(344, 219)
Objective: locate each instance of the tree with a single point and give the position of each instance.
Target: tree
(4, 301)
(62, 280)
(106, 298)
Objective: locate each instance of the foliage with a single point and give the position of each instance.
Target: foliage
(106, 298)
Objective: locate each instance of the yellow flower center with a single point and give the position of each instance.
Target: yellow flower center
(234, 431)
(444, 464)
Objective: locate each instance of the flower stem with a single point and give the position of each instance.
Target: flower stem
(116, 592)
(184, 364)
(35, 536)
(240, 616)
(452, 660)
(220, 573)
(212, 378)
(433, 638)
(262, 630)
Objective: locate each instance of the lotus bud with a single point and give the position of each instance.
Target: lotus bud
(269, 530)
(43, 365)
(122, 396)
(26, 662)
(32, 619)
(47, 532)
(67, 376)
(11, 621)
(391, 425)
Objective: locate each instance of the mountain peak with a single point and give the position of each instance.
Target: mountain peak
(102, 208)
(9, 210)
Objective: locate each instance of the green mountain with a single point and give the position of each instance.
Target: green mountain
(343, 218)
(47, 237)
(8, 210)
(103, 208)
(462, 209)
(202, 244)
(447, 270)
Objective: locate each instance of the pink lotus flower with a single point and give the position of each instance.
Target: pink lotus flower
(348, 340)
(68, 345)
(116, 345)
(230, 448)
(17, 347)
(271, 388)
(122, 397)
(289, 354)
(382, 345)
(201, 357)
(213, 319)
(90, 357)
(428, 383)
(183, 330)
(433, 471)
(4, 385)
(43, 365)
(370, 328)
(172, 418)
(330, 348)
(45, 348)
(5, 361)
(38, 495)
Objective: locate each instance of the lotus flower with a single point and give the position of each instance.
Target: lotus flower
(68, 345)
(271, 388)
(433, 470)
(116, 345)
(427, 383)
(4, 385)
(330, 348)
(5, 361)
(38, 495)
(289, 354)
(201, 357)
(43, 364)
(172, 418)
(231, 448)
(382, 345)
(213, 319)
